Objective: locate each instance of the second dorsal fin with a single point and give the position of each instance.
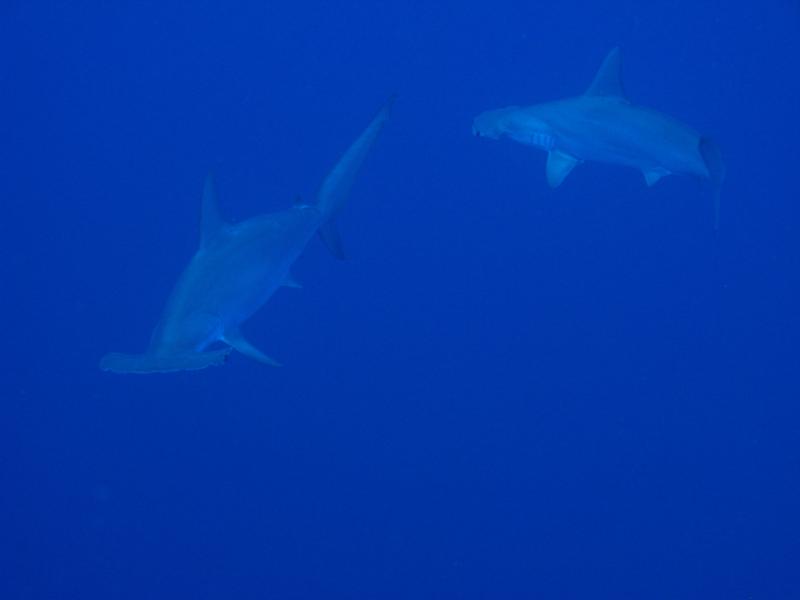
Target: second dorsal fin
(211, 222)
(608, 80)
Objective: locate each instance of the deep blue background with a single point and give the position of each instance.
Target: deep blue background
(507, 391)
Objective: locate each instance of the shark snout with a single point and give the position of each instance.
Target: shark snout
(481, 131)
(491, 124)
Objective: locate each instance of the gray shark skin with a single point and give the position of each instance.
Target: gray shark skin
(602, 125)
(237, 269)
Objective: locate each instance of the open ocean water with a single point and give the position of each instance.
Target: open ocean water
(506, 391)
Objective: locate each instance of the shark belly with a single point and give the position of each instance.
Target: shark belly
(229, 281)
(615, 132)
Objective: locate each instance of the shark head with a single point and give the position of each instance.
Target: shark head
(493, 124)
(523, 125)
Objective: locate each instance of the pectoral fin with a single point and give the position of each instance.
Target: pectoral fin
(652, 176)
(559, 166)
(236, 340)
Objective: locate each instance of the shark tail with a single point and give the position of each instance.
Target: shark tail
(154, 363)
(712, 157)
(329, 234)
(336, 186)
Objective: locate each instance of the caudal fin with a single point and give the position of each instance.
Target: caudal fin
(716, 171)
(329, 234)
(336, 186)
(153, 363)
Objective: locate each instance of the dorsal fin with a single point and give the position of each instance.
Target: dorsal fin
(608, 80)
(210, 221)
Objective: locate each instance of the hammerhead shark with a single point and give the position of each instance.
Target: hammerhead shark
(602, 125)
(238, 268)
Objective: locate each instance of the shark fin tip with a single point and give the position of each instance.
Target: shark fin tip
(608, 80)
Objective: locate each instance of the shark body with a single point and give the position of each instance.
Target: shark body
(237, 269)
(602, 125)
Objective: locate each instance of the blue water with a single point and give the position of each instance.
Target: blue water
(507, 391)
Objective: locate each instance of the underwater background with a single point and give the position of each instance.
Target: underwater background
(507, 391)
